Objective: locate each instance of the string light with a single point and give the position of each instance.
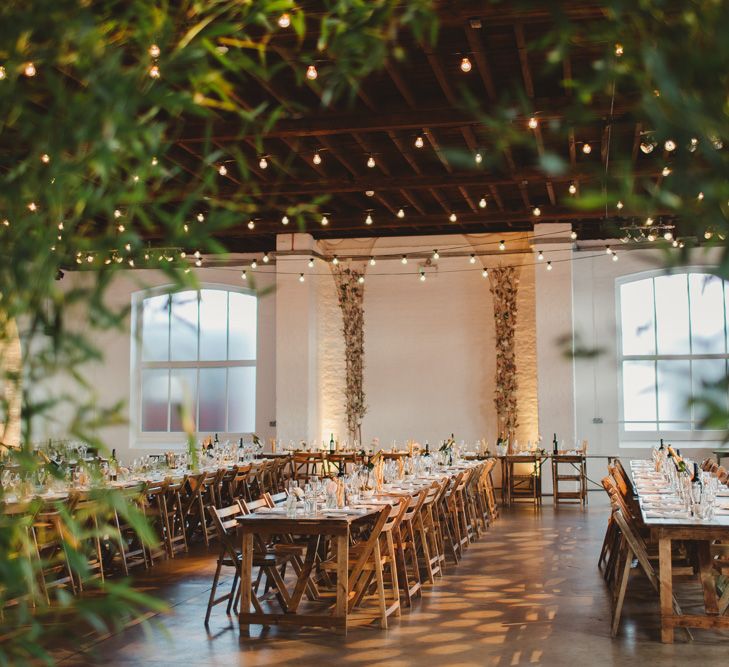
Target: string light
(127, 246)
(615, 257)
(400, 213)
(29, 69)
(155, 161)
(284, 21)
(466, 65)
(6, 223)
(573, 235)
(263, 163)
(619, 205)
(717, 143)
(693, 144)
(607, 249)
(540, 255)
(666, 171)
(419, 143)
(32, 207)
(536, 211)
(120, 228)
(533, 123)
(670, 145)
(586, 149)
(200, 217)
(45, 158)
(422, 276)
(154, 72)
(371, 162)
(502, 245)
(265, 258)
(316, 159)
(301, 278)
(251, 224)
(324, 221)
(472, 260)
(708, 234)
(549, 266)
(285, 220)
(154, 51)
(335, 261)
(117, 213)
(311, 262)
(700, 196)
(485, 273)
(453, 217)
(198, 262)
(572, 188)
(619, 50)
(435, 254)
(254, 264)
(222, 170)
(3, 73)
(675, 243)
(311, 73)
(404, 259)
(478, 158)
(135, 178)
(648, 221)
(647, 147)
(651, 237)
(482, 203)
(668, 236)
(360, 280)
(368, 219)
(372, 261)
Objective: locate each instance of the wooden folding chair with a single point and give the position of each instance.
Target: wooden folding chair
(407, 551)
(428, 533)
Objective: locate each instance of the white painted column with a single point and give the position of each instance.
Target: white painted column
(296, 340)
(555, 371)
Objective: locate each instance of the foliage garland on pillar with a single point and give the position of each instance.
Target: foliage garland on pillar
(350, 292)
(504, 285)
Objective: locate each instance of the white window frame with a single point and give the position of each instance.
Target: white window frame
(174, 439)
(703, 438)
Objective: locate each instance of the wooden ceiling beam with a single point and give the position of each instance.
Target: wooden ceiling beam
(475, 44)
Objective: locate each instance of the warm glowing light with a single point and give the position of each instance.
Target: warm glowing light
(263, 163)
(222, 170)
(335, 260)
(285, 220)
(324, 221)
(284, 21)
(573, 235)
(619, 205)
(436, 255)
(482, 203)
(200, 217)
(422, 276)
(666, 171)
(251, 224)
(404, 259)
(154, 51)
(372, 261)
(485, 273)
(301, 278)
(360, 280)
(502, 245)
(670, 145)
(453, 217)
(311, 262)
(419, 143)
(533, 123)
(45, 158)
(586, 149)
(472, 260)
(478, 158)
(371, 162)
(311, 73)
(368, 219)
(536, 211)
(540, 255)
(154, 72)
(400, 213)
(619, 50)
(265, 258)
(316, 159)
(3, 73)
(549, 266)
(572, 188)
(466, 65)
(29, 69)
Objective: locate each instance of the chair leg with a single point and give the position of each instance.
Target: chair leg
(213, 591)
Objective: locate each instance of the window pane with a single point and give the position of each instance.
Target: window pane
(636, 304)
(707, 314)
(154, 399)
(242, 400)
(213, 324)
(183, 396)
(183, 346)
(705, 374)
(155, 328)
(212, 400)
(639, 391)
(638, 426)
(673, 391)
(672, 314)
(243, 315)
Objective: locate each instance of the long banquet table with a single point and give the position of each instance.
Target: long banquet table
(666, 527)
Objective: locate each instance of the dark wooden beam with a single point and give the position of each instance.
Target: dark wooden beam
(476, 45)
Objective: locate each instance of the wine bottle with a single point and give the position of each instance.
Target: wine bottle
(662, 447)
(427, 449)
(331, 443)
(555, 447)
(217, 441)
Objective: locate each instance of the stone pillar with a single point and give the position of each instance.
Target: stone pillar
(297, 408)
(555, 371)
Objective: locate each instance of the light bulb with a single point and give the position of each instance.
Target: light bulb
(536, 211)
(502, 245)
(648, 221)
(717, 143)
(198, 262)
(533, 123)
(311, 73)
(127, 246)
(670, 145)
(452, 217)
(154, 161)
(360, 280)
(436, 255)
(3, 73)
(263, 163)
(183, 254)
(265, 258)
(368, 219)
(121, 228)
(154, 72)
(89, 258)
(572, 188)
(586, 149)
(371, 162)
(607, 250)
(681, 244)
(370, 193)
(700, 196)
(117, 213)
(324, 221)
(284, 21)
(186, 228)
(154, 51)
(540, 255)
(666, 171)
(301, 278)
(251, 224)
(404, 259)
(619, 50)
(651, 237)
(615, 257)
(372, 261)
(200, 217)
(32, 207)
(197, 254)
(335, 261)
(135, 178)
(675, 243)
(316, 159)
(647, 146)
(422, 276)
(45, 158)
(465, 65)
(472, 260)
(549, 266)
(130, 262)
(708, 234)
(693, 145)
(222, 170)
(400, 213)
(419, 143)
(29, 69)
(311, 262)
(573, 235)
(243, 275)
(482, 203)
(485, 273)
(619, 205)
(285, 220)
(478, 158)
(668, 235)
(254, 264)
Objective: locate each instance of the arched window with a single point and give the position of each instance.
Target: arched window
(672, 348)
(194, 350)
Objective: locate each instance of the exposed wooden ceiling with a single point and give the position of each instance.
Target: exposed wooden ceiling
(422, 96)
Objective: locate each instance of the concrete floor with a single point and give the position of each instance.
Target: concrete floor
(528, 593)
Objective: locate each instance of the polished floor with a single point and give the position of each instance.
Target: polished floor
(528, 593)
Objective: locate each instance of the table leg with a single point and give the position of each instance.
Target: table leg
(246, 579)
(666, 588)
(342, 579)
(711, 603)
